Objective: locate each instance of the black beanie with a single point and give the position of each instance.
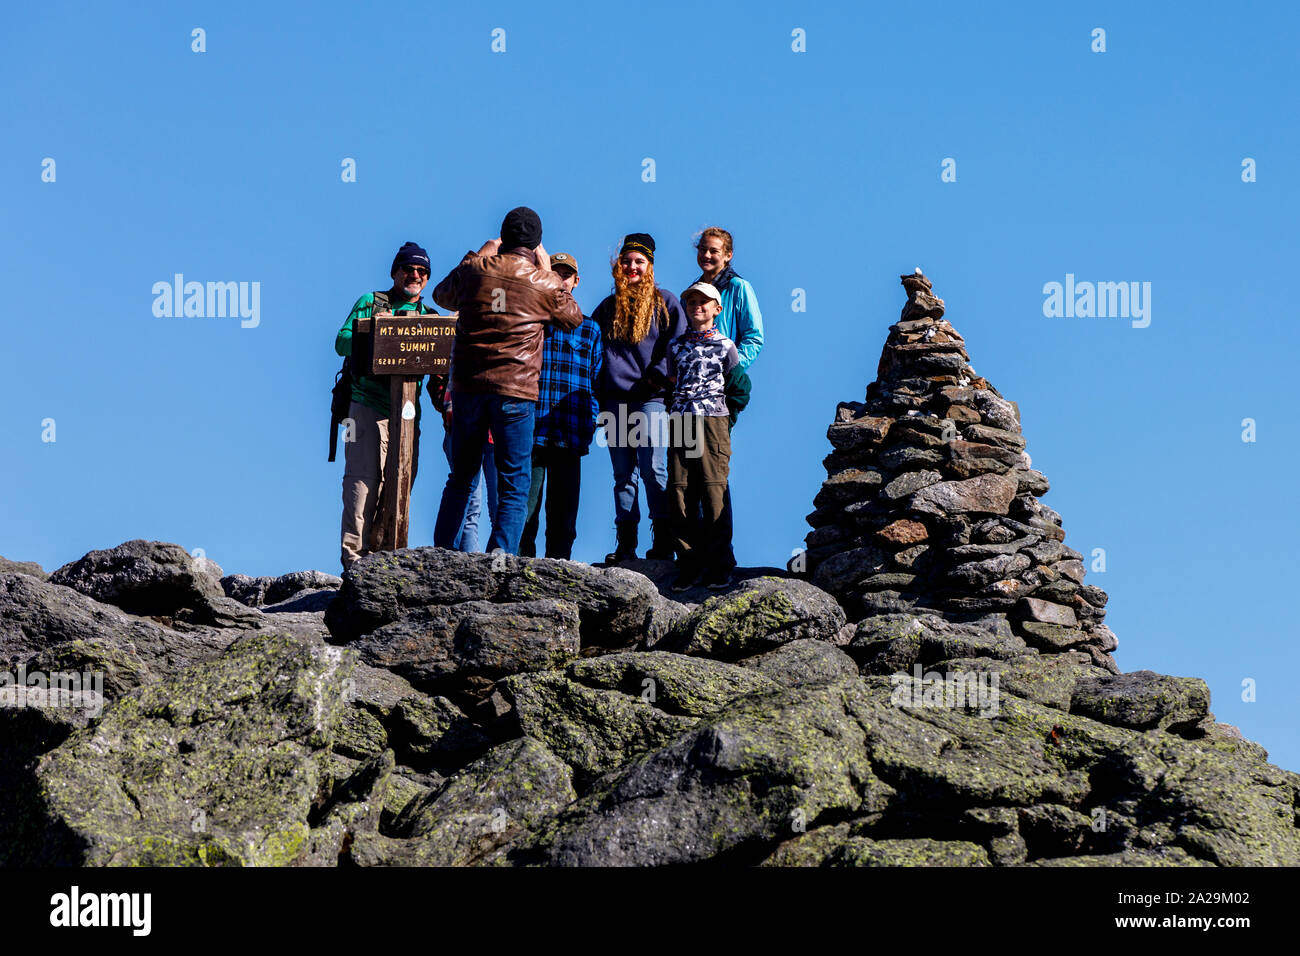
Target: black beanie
(409, 254)
(521, 227)
(641, 242)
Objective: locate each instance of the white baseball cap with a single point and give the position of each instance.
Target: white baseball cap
(705, 289)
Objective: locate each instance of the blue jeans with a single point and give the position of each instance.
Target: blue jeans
(511, 423)
(647, 461)
(467, 539)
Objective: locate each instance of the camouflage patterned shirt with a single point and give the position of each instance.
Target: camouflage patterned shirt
(700, 362)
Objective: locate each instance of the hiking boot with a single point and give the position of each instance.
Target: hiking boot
(625, 550)
(662, 548)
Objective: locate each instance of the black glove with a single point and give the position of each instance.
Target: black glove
(640, 391)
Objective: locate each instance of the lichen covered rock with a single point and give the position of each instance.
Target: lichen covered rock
(760, 615)
(218, 765)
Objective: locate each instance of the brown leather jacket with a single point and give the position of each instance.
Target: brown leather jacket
(504, 303)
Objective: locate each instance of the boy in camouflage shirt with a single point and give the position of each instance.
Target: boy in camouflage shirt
(700, 454)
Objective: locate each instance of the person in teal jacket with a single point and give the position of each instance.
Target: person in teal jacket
(740, 320)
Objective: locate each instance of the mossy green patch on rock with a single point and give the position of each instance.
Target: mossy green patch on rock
(360, 734)
(803, 662)
(354, 805)
(946, 757)
(862, 851)
(1172, 856)
(433, 732)
(813, 848)
(220, 763)
(675, 683)
(402, 789)
(510, 790)
(888, 643)
(1225, 807)
(444, 649)
(592, 730)
(1142, 700)
(782, 737)
(382, 590)
(742, 779)
(761, 615)
(1047, 679)
(120, 666)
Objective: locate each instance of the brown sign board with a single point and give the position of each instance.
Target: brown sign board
(407, 344)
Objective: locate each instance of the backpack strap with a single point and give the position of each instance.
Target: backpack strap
(380, 303)
(344, 380)
(383, 304)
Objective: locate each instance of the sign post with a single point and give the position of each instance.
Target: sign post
(406, 348)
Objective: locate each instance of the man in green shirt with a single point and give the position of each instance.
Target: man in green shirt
(365, 446)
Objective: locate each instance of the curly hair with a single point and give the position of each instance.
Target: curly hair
(635, 306)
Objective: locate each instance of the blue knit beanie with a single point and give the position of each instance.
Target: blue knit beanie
(410, 254)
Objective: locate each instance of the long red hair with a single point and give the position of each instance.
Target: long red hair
(635, 306)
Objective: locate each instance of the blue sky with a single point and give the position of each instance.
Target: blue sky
(825, 165)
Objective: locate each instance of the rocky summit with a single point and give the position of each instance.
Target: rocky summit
(931, 683)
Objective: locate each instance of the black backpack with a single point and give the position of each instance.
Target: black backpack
(341, 397)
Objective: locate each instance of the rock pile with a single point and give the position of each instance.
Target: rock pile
(931, 503)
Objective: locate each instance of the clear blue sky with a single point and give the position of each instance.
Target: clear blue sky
(825, 165)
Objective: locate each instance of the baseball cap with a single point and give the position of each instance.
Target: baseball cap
(706, 289)
(564, 259)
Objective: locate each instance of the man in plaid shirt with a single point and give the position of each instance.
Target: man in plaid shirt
(566, 421)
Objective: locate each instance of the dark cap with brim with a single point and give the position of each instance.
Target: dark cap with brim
(564, 259)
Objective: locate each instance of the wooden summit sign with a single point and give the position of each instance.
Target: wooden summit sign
(403, 344)
(405, 348)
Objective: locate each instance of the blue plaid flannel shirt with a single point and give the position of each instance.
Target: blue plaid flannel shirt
(566, 389)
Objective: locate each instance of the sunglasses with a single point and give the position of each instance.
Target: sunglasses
(420, 271)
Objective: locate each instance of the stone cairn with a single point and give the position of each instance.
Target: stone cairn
(932, 504)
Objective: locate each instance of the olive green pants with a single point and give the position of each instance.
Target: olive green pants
(699, 460)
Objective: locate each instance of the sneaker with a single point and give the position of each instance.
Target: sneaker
(719, 579)
(685, 580)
